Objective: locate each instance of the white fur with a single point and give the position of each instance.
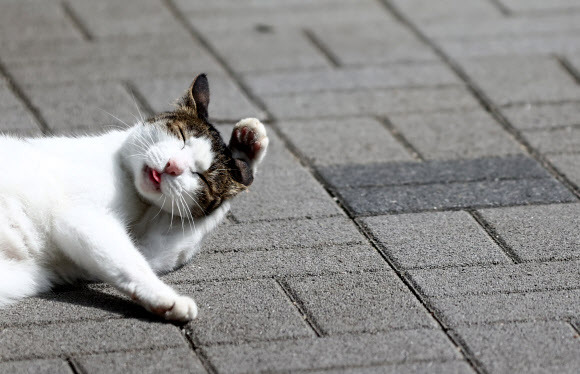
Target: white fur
(82, 208)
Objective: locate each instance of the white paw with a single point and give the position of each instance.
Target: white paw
(184, 309)
(249, 140)
(172, 307)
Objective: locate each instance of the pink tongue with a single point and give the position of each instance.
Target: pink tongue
(156, 175)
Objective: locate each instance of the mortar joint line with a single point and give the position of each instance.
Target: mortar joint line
(394, 131)
(492, 233)
(74, 367)
(569, 68)
(138, 98)
(504, 10)
(575, 327)
(72, 15)
(23, 98)
(483, 100)
(198, 351)
(300, 307)
(332, 59)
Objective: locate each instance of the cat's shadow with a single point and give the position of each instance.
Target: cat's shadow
(97, 303)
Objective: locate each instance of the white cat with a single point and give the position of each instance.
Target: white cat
(121, 207)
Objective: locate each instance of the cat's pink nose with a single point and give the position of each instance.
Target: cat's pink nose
(173, 168)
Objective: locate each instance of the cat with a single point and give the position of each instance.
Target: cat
(121, 207)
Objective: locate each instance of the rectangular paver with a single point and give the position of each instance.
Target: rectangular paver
(508, 80)
(454, 135)
(534, 233)
(429, 172)
(329, 352)
(50, 366)
(379, 102)
(434, 239)
(567, 165)
(277, 263)
(237, 311)
(550, 347)
(366, 302)
(522, 277)
(86, 337)
(559, 140)
(423, 75)
(398, 199)
(344, 141)
(505, 307)
(170, 361)
(543, 116)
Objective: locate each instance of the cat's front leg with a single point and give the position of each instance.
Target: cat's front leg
(99, 244)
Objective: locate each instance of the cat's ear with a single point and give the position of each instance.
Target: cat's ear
(197, 96)
(242, 172)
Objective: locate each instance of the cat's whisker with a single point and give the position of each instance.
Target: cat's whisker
(171, 222)
(137, 106)
(160, 209)
(115, 117)
(178, 204)
(189, 215)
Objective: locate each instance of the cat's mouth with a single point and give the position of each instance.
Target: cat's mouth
(154, 177)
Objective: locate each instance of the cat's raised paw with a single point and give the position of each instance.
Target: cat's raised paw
(249, 140)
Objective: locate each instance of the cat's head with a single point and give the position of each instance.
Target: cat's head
(180, 162)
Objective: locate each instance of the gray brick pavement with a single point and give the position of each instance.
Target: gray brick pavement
(417, 211)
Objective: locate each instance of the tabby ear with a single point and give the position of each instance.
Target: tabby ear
(242, 172)
(197, 97)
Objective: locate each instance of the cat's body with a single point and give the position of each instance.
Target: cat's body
(123, 206)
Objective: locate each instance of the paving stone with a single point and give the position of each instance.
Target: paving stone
(107, 18)
(568, 165)
(555, 140)
(86, 337)
(459, 281)
(277, 263)
(46, 22)
(535, 233)
(550, 347)
(501, 307)
(220, 6)
(228, 101)
(236, 311)
(90, 107)
(543, 116)
(380, 103)
(398, 199)
(78, 304)
(366, 302)
(252, 50)
(328, 352)
(490, 28)
(431, 367)
(540, 6)
(434, 239)
(373, 43)
(454, 135)
(284, 193)
(531, 46)
(483, 169)
(427, 11)
(121, 48)
(36, 367)
(301, 233)
(18, 119)
(264, 18)
(392, 76)
(344, 141)
(508, 80)
(176, 360)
